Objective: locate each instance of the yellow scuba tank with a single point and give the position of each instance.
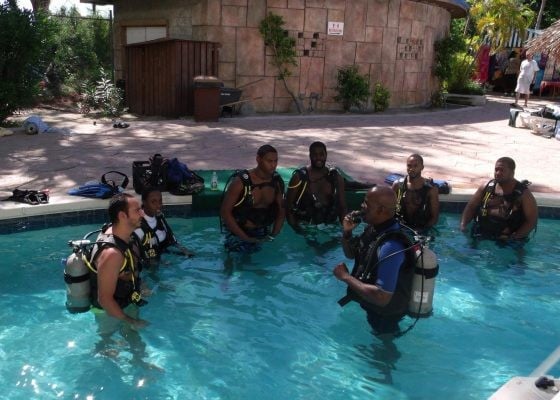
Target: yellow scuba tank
(76, 276)
(423, 282)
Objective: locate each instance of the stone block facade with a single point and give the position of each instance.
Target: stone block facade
(389, 40)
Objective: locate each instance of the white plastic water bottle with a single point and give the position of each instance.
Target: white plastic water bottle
(214, 182)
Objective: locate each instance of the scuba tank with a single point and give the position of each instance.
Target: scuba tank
(77, 275)
(423, 281)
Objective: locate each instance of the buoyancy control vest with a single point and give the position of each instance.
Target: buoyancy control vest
(366, 269)
(128, 289)
(510, 216)
(244, 209)
(307, 207)
(150, 245)
(423, 212)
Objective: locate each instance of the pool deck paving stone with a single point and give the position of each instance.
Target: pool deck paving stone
(459, 145)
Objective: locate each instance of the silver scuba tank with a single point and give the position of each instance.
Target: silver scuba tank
(423, 282)
(76, 276)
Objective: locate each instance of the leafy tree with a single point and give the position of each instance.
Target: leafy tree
(495, 20)
(25, 42)
(283, 50)
(548, 12)
(82, 48)
(489, 21)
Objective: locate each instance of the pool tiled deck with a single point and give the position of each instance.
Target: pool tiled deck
(459, 145)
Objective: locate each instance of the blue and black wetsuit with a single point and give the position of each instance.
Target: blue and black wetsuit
(384, 257)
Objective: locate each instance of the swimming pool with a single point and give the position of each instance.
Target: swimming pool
(269, 326)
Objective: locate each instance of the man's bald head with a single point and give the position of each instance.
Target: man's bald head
(380, 204)
(384, 196)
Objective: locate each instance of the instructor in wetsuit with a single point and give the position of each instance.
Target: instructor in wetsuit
(382, 275)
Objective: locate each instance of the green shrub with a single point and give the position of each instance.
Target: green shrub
(381, 96)
(25, 42)
(353, 88)
(103, 95)
(469, 87)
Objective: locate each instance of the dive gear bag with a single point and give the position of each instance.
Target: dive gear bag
(150, 173)
(181, 180)
(165, 175)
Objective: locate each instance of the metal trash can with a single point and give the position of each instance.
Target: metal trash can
(206, 98)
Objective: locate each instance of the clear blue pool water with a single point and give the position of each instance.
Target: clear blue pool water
(269, 327)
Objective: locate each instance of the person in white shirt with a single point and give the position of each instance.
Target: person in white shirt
(527, 71)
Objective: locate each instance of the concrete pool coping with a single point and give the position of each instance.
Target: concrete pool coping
(67, 204)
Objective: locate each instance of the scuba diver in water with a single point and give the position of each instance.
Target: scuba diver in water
(115, 283)
(417, 198)
(115, 287)
(503, 209)
(381, 280)
(155, 235)
(253, 202)
(316, 192)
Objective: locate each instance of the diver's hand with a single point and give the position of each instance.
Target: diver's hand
(341, 272)
(348, 223)
(136, 323)
(187, 253)
(183, 250)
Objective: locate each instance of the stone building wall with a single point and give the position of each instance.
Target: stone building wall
(391, 40)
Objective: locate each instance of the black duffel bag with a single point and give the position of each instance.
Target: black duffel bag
(151, 173)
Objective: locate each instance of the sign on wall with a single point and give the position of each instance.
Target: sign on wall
(409, 48)
(335, 28)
